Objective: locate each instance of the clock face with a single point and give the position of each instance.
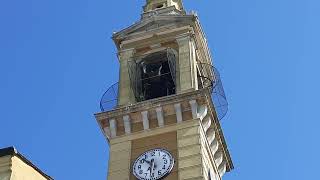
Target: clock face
(153, 164)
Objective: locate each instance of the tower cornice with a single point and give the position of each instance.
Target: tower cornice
(198, 104)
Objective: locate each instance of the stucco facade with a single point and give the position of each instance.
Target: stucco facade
(14, 166)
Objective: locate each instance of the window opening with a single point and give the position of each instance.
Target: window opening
(153, 76)
(159, 6)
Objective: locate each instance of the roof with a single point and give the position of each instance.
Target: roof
(143, 25)
(11, 151)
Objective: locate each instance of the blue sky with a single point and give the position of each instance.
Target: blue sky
(57, 59)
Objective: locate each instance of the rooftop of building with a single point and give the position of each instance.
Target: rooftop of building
(12, 151)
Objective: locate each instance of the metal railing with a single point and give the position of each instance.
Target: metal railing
(209, 77)
(109, 99)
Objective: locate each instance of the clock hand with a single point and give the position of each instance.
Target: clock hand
(147, 161)
(152, 166)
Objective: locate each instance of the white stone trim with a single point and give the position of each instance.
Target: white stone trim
(202, 112)
(145, 120)
(210, 135)
(155, 46)
(218, 158)
(107, 132)
(206, 123)
(129, 51)
(194, 108)
(113, 128)
(183, 38)
(177, 108)
(160, 117)
(214, 146)
(127, 124)
(222, 168)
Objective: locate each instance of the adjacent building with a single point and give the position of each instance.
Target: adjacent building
(14, 166)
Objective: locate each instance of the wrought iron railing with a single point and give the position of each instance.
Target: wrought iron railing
(109, 99)
(209, 77)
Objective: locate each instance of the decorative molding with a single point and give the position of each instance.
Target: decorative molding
(145, 120)
(129, 50)
(113, 128)
(202, 112)
(127, 124)
(140, 26)
(153, 103)
(177, 108)
(107, 132)
(156, 131)
(214, 146)
(210, 135)
(183, 38)
(160, 117)
(155, 46)
(218, 158)
(125, 54)
(206, 123)
(222, 168)
(194, 108)
(183, 105)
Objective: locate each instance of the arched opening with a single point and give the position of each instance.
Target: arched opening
(159, 6)
(154, 75)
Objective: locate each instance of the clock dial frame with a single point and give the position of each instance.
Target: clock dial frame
(153, 164)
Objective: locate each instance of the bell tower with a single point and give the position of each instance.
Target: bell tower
(162, 119)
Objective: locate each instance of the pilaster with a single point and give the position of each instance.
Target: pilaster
(187, 64)
(126, 95)
(120, 153)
